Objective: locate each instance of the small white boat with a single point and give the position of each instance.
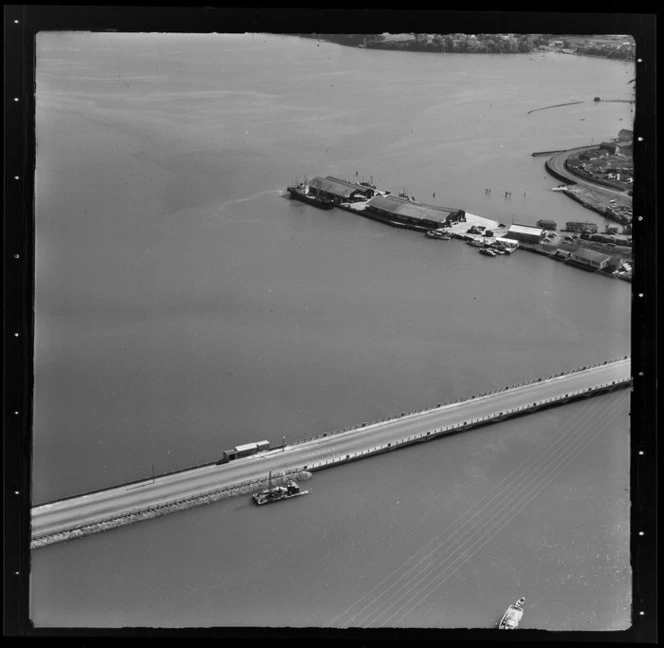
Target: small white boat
(512, 616)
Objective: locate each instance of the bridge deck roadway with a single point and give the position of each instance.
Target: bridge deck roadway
(79, 511)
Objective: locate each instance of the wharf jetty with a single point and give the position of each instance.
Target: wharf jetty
(397, 210)
(402, 211)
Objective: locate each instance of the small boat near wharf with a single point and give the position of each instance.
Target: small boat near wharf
(512, 616)
(488, 252)
(476, 243)
(438, 234)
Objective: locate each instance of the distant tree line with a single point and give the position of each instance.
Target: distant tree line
(472, 43)
(452, 43)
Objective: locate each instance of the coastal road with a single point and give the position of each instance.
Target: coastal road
(75, 512)
(557, 163)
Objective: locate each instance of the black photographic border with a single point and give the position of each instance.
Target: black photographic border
(22, 22)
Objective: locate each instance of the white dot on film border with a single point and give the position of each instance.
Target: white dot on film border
(640, 452)
(638, 138)
(640, 533)
(639, 60)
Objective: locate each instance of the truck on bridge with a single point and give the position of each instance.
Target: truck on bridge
(244, 450)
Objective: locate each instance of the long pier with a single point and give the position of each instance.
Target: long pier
(63, 519)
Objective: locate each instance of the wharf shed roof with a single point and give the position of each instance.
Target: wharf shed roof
(590, 255)
(338, 187)
(410, 209)
(525, 229)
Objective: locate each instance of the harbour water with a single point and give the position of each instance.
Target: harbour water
(184, 305)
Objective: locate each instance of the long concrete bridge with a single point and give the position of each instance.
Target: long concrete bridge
(57, 520)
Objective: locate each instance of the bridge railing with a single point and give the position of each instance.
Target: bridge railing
(386, 447)
(453, 402)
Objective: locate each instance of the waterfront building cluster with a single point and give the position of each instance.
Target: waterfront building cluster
(611, 164)
(579, 244)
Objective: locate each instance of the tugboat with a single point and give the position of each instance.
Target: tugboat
(278, 493)
(488, 252)
(301, 192)
(512, 616)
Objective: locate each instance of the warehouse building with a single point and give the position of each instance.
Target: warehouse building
(395, 209)
(524, 233)
(340, 190)
(589, 259)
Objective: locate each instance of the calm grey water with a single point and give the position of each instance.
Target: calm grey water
(184, 306)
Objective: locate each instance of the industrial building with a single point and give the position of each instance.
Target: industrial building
(395, 209)
(581, 227)
(590, 259)
(524, 233)
(340, 190)
(547, 225)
